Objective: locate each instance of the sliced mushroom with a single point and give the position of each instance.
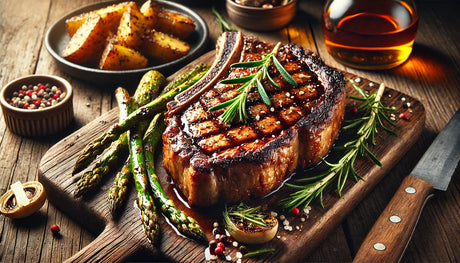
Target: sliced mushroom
(22, 200)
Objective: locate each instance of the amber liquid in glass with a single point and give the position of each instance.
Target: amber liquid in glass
(371, 34)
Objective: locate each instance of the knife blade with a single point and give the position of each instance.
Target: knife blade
(392, 231)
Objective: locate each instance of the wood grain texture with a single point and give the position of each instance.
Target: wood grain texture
(289, 246)
(392, 231)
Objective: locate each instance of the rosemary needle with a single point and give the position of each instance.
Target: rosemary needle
(258, 252)
(245, 213)
(224, 25)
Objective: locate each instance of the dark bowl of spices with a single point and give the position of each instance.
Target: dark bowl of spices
(261, 15)
(37, 105)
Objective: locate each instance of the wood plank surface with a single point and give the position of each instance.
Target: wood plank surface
(431, 75)
(121, 237)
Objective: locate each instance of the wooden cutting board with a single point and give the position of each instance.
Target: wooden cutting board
(119, 237)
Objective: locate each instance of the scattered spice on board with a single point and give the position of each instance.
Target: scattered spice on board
(55, 230)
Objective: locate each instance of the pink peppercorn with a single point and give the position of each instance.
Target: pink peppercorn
(403, 116)
(219, 251)
(41, 87)
(55, 96)
(353, 110)
(295, 211)
(55, 229)
(222, 245)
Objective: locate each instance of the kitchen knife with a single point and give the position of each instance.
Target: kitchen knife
(392, 231)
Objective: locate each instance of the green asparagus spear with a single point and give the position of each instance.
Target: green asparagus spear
(119, 189)
(149, 215)
(185, 224)
(117, 193)
(145, 112)
(186, 77)
(92, 178)
(116, 150)
(122, 98)
(149, 87)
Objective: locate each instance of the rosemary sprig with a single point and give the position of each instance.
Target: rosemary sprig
(373, 114)
(224, 25)
(259, 252)
(245, 213)
(238, 104)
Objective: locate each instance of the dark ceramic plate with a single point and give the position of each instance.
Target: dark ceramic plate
(57, 39)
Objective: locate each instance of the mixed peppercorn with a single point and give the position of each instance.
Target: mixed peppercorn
(36, 96)
(221, 241)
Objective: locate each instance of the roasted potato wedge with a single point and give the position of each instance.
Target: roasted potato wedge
(168, 22)
(118, 57)
(75, 22)
(150, 10)
(110, 15)
(175, 24)
(88, 42)
(172, 23)
(123, 36)
(163, 48)
(131, 28)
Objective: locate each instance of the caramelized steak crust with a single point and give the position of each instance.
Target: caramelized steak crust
(211, 161)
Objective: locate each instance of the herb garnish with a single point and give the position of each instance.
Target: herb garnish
(238, 104)
(373, 113)
(258, 252)
(245, 213)
(224, 25)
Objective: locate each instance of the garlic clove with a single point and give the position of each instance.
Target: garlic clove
(259, 235)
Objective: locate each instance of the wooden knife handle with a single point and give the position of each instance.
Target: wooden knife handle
(392, 231)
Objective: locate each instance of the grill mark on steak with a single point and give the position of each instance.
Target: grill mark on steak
(264, 123)
(212, 161)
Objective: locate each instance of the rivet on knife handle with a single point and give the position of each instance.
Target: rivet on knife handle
(391, 233)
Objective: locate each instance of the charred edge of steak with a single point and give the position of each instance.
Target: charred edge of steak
(228, 49)
(331, 78)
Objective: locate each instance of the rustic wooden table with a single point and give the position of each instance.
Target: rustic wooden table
(431, 75)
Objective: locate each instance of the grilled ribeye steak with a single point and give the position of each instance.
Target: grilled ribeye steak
(212, 161)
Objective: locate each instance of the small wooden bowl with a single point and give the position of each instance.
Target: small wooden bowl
(37, 122)
(261, 19)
